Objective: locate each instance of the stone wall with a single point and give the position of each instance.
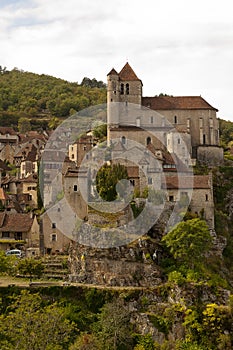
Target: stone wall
(132, 265)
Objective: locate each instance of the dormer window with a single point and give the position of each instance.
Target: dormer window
(127, 89)
(122, 89)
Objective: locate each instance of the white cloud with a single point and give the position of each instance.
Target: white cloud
(177, 47)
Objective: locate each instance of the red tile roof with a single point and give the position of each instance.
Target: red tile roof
(7, 130)
(176, 102)
(127, 73)
(133, 171)
(187, 182)
(112, 72)
(3, 195)
(15, 222)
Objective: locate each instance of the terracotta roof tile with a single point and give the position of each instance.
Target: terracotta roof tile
(176, 102)
(133, 171)
(3, 195)
(7, 130)
(30, 178)
(187, 182)
(127, 73)
(112, 72)
(2, 217)
(17, 222)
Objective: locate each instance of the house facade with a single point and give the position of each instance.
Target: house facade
(19, 230)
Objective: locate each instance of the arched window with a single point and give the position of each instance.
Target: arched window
(123, 140)
(148, 140)
(127, 89)
(122, 89)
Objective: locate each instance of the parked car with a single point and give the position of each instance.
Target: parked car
(15, 252)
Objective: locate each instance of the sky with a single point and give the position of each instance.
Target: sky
(182, 48)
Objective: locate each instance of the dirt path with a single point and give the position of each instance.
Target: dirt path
(6, 281)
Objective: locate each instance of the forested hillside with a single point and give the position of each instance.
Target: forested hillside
(25, 94)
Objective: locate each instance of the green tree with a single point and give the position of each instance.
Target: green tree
(189, 241)
(24, 125)
(112, 328)
(28, 324)
(7, 263)
(100, 132)
(107, 178)
(31, 267)
(53, 123)
(85, 341)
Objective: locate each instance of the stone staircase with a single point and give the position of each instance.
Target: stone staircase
(56, 267)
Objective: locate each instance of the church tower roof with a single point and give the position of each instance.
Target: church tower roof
(127, 73)
(112, 72)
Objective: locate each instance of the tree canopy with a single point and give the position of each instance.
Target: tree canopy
(107, 179)
(189, 241)
(25, 94)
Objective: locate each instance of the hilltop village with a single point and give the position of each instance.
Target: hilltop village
(157, 139)
(123, 214)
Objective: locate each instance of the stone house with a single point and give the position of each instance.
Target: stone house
(59, 222)
(53, 240)
(79, 150)
(28, 188)
(26, 160)
(198, 189)
(18, 230)
(8, 143)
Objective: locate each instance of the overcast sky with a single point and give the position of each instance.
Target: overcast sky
(177, 47)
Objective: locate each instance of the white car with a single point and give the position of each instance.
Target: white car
(15, 252)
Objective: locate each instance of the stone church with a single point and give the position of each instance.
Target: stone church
(132, 116)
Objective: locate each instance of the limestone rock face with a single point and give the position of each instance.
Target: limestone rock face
(132, 265)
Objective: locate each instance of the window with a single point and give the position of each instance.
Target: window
(5, 234)
(175, 119)
(178, 141)
(54, 237)
(122, 89)
(127, 89)
(132, 181)
(18, 236)
(201, 122)
(53, 225)
(138, 121)
(150, 181)
(75, 188)
(148, 140)
(204, 139)
(206, 197)
(72, 156)
(84, 148)
(151, 120)
(171, 198)
(123, 140)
